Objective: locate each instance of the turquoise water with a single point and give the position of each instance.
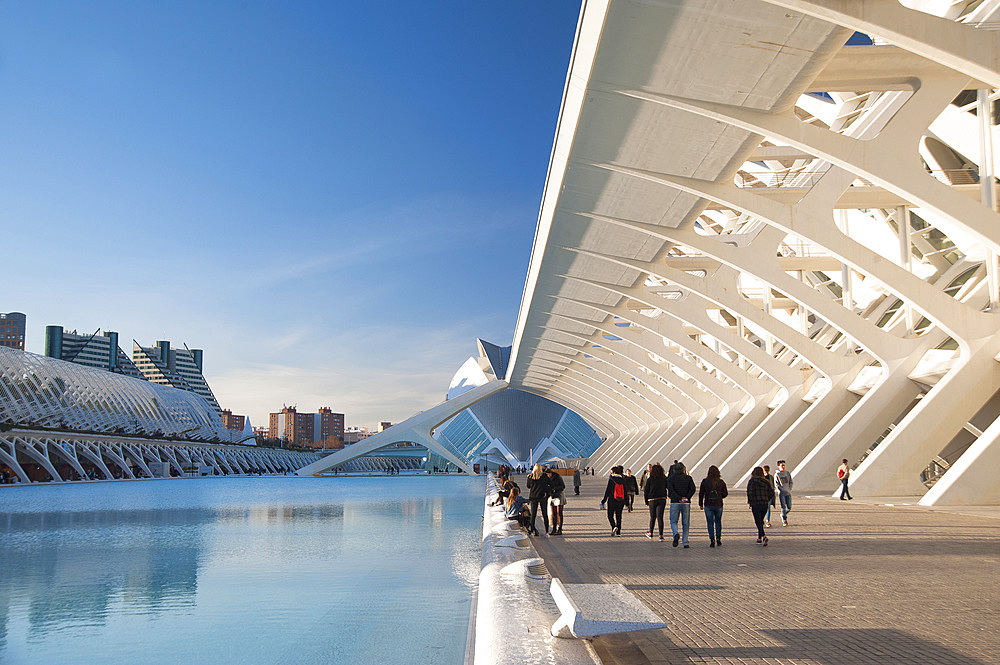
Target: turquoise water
(241, 570)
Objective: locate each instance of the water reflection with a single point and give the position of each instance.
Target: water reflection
(278, 570)
(70, 568)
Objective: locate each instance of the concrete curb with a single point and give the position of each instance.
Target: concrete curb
(515, 609)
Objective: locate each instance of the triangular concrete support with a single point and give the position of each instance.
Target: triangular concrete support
(416, 429)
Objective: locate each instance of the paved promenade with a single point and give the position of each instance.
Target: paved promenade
(847, 582)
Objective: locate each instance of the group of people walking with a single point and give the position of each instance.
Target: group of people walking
(675, 487)
(546, 489)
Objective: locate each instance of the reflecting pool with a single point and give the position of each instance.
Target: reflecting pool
(240, 570)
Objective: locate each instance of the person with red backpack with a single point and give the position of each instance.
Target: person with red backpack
(844, 474)
(614, 499)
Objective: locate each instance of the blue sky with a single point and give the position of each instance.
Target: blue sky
(332, 200)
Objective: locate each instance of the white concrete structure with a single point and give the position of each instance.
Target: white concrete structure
(67, 456)
(511, 427)
(756, 242)
(416, 429)
(61, 421)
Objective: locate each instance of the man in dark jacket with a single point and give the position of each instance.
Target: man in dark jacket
(614, 498)
(680, 489)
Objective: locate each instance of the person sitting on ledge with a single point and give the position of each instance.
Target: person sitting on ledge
(504, 492)
(516, 508)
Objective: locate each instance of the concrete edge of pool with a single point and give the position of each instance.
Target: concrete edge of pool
(514, 611)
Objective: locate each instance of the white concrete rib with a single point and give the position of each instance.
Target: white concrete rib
(756, 242)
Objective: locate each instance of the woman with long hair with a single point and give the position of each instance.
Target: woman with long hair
(760, 494)
(654, 491)
(515, 507)
(713, 490)
(538, 495)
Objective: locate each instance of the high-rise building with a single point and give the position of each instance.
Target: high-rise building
(324, 429)
(97, 350)
(179, 368)
(12, 330)
(331, 426)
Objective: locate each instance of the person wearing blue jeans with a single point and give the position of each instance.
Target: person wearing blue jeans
(844, 473)
(680, 489)
(760, 495)
(783, 483)
(713, 490)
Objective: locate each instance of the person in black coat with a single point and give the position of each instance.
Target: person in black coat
(538, 495)
(760, 496)
(680, 489)
(710, 498)
(557, 499)
(631, 489)
(655, 493)
(614, 499)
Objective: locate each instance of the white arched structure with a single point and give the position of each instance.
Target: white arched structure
(769, 230)
(416, 429)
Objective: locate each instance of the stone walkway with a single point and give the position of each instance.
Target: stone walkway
(846, 582)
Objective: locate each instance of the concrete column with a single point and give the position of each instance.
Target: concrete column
(972, 479)
(893, 469)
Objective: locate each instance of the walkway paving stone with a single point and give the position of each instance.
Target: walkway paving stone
(845, 582)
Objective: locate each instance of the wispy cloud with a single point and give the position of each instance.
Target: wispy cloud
(371, 374)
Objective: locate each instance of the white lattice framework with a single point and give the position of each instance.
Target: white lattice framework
(62, 456)
(757, 242)
(44, 391)
(78, 423)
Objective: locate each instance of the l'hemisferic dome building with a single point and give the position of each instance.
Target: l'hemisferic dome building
(513, 426)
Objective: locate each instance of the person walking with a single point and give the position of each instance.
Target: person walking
(644, 475)
(769, 478)
(783, 483)
(614, 499)
(844, 472)
(631, 489)
(680, 489)
(655, 494)
(557, 499)
(538, 494)
(710, 498)
(576, 481)
(760, 495)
